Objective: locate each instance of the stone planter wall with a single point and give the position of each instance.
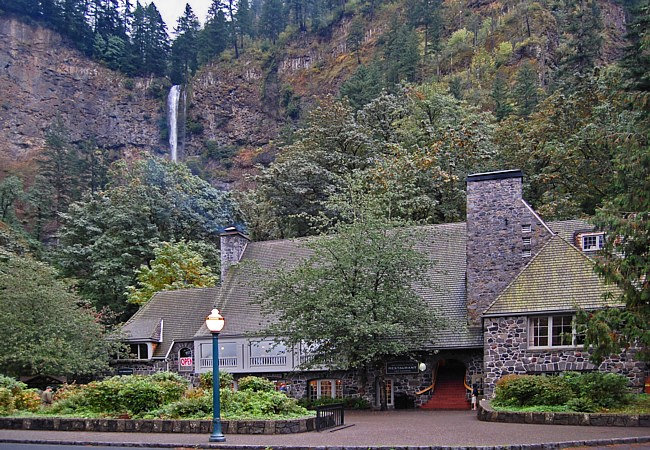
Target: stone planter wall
(158, 426)
(487, 414)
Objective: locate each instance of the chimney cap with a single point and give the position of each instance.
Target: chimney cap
(498, 175)
(231, 230)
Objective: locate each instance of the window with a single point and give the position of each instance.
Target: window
(139, 351)
(527, 240)
(593, 242)
(267, 353)
(228, 354)
(526, 253)
(325, 389)
(526, 228)
(553, 331)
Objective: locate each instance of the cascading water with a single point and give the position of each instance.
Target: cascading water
(172, 120)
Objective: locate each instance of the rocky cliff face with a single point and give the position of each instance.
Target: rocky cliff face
(42, 78)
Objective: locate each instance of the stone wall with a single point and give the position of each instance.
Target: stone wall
(487, 414)
(232, 243)
(506, 352)
(158, 426)
(495, 240)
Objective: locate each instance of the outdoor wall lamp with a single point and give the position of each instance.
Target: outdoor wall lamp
(215, 323)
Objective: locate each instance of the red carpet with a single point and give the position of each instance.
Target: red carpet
(449, 392)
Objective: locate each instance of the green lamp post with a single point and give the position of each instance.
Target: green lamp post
(215, 323)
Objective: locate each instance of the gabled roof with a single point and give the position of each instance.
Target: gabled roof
(170, 316)
(442, 244)
(559, 278)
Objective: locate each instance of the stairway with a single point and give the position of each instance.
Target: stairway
(449, 392)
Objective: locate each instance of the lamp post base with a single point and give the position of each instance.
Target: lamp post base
(217, 438)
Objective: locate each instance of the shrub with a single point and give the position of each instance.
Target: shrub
(348, 402)
(529, 390)
(258, 404)
(12, 384)
(226, 380)
(605, 390)
(6, 401)
(580, 404)
(188, 408)
(256, 384)
(27, 400)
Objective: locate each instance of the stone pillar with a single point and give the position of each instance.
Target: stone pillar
(503, 235)
(233, 244)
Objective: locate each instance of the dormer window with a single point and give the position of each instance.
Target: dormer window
(592, 242)
(138, 351)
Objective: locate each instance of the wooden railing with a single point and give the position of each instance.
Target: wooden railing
(433, 382)
(229, 361)
(268, 360)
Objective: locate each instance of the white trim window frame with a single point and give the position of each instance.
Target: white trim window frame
(327, 387)
(139, 346)
(553, 331)
(592, 242)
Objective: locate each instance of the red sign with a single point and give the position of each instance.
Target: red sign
(186, 362)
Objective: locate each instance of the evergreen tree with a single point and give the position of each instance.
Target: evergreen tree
(426, 13)
(500, 91)
(525, 91)
(356, 33)
(156, 42)
(637, 56)
(213, 39)
(184, 51)
(401, 54)
(272, 21)
(362, 87)
(244, 21)
(585, 41)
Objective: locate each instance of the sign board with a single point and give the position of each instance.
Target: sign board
(401, 367)
(186, 362)
(125, 371)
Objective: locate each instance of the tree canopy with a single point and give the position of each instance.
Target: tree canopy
(353, 302)
(44, 326)
(176, 265)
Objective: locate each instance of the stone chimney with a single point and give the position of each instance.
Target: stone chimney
(233, 243)
(503, 235)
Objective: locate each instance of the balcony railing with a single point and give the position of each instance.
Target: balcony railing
(230, 361)
(268, 360)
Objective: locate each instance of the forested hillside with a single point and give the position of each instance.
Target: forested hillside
(288, 103)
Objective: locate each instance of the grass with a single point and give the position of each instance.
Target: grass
(638, 404)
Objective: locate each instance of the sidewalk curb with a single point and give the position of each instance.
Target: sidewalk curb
(547, 446)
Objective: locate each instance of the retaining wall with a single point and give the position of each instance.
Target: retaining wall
(487, 414)
(158, 426)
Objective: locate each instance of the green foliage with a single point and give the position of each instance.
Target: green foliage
(105, 238)
(255, 384)
(588, 392)
(528, 390)
(43, 325)
(259, 404)
(131, 394)
(350, 283)
(226, 380)
(176, 265)
(14, 396)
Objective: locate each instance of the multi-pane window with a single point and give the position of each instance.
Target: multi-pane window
(139, 351)
(552, 331)
(593, 242)
(325, 389)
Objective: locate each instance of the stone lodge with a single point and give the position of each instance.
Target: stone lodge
(507, 283)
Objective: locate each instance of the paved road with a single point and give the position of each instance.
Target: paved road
(372, 429)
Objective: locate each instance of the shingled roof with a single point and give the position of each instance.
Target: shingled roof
(559, 278)
(178, 314)
(443, 244)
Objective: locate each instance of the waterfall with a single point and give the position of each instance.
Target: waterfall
(172, 120)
